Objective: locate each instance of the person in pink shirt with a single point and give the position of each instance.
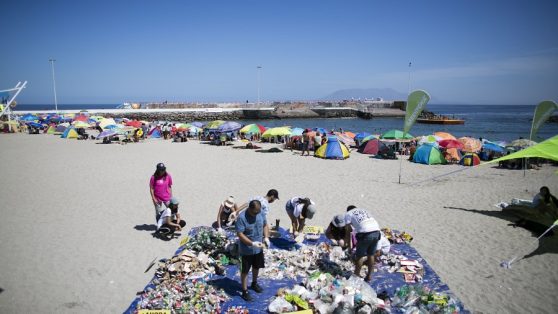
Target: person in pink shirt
(160, 187)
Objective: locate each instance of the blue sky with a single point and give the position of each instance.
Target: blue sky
(471, 52)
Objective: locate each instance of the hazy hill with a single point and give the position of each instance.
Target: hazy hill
(385, 93)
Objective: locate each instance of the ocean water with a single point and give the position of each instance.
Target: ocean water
(504, 122)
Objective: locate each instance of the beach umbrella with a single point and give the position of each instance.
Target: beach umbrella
(194, 129)
(69, 115)
(34, 124)
(333, 149)
(297, 131)
(106, 133)
(361, 135)
(345, 139)
(197, 124)
(134, 123)
(111, 127)
(29, 117)
(321, 130)
(396, 134)
(183, 126)
(350, 134)
(253, 129)
(445, 135)
(450, 144)
(279, 131)
(490, 146)
(521, 143)
(81, 124)
(470, 159)
(97, 118)
(429, 155)
(81, 118)
(213, 124)
(373, 147)
(428, 139)
(106, 122)
(470, 144)
(229, 126)
(66, 124)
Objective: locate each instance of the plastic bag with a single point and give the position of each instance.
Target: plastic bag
(280, 305)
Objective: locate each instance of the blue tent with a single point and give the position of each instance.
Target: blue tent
(428, 155)
(155, 133)
(29, 117)
(69, 133)
(333, 149)
(361, 135)
(493, 147)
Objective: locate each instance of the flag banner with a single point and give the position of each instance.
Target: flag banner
(415, 104)
(543, 111)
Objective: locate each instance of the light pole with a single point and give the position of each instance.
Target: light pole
(53, 83)
(259, 70)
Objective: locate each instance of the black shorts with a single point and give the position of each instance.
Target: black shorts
(249, 261)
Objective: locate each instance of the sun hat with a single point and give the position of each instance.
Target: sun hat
(229, 202)
(310, 211)
(174, 201)
(161, 166)
(339, 221)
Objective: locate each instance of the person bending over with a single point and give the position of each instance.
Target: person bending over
(335, 232)
(367, 235)
(298, 209)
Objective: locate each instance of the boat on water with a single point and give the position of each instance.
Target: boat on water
(440, 121)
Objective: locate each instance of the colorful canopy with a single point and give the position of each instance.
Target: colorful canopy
(428, 155)
(429, 139)
(280, 131)
(104, 123)
(81, 124)
(333, 149)
(212, 125)
(396, 135)
(345, 139)
(470, 159)
(297, 131)
(106, 133)
(445, 135)
(470, 144)
(350, 134)
(134, 123)
(197, 124)
(228, 126)
(252, 129)
(547, 149)
(81, 118)
(451, 144)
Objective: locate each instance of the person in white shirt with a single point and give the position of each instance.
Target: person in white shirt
(169, 221)
(383, 246)
(270, 197)
(367, 232)
(299, 208)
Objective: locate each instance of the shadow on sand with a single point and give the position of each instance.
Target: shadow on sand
(547, 244)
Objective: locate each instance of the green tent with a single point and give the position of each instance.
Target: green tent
(547, 149)
(396, 135)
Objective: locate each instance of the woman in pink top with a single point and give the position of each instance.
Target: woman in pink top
(160, 187)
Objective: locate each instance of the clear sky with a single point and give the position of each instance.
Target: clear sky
(471, 52)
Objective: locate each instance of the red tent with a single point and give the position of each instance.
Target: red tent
(372, 147)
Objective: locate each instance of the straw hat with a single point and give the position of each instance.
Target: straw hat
(229, 202)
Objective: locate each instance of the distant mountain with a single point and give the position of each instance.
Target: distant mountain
(385, 93)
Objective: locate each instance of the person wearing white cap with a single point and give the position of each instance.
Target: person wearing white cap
(170, 221)
(298, 209)
(336, 231)
(227, 212)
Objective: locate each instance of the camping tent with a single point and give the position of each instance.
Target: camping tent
(51, 129)
(333, 149)
(70, 133)
(372, 147)
(428, 155)
(547, 149)
(470, 159)
(154, 133)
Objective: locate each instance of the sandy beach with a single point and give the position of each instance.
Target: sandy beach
(77, 217)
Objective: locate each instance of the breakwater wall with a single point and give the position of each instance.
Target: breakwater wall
(239, 113)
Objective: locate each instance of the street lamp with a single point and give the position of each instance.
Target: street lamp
(54, 83)
(409, 81)
(259, 70)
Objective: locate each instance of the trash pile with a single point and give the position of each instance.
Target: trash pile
(324, 293)
(421, 299)
(208, 241)
(397, 237)
(183, 296)
(188, 265)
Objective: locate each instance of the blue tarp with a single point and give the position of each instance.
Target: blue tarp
(382, 280)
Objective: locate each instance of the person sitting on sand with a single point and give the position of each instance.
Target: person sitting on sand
(227, 213)
(169, 222)
(298, 209)
(335, 232)
(542, 210)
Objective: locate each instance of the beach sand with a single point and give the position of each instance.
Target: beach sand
(74, 215)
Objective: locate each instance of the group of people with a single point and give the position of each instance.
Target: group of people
(356, 230)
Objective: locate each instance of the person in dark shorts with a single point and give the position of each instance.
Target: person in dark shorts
(252, 230)
(367, 232)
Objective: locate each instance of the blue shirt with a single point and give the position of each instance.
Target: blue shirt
(252, 227)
